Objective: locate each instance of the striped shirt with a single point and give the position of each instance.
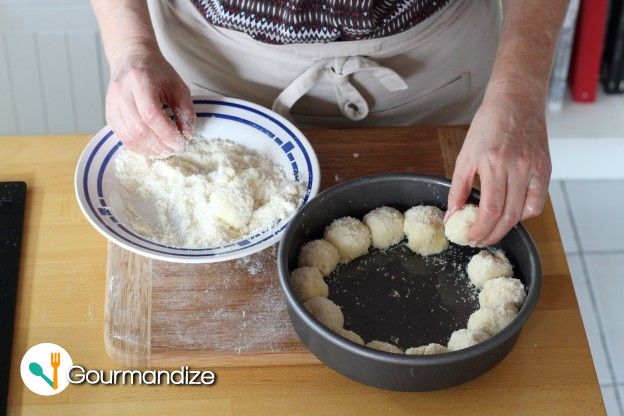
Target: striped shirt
(317, 21)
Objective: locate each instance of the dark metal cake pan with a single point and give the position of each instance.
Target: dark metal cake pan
(400, 297)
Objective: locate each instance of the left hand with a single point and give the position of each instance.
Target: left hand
(507, 146)
(141, 82)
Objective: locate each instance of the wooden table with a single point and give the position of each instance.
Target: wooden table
(61, 301)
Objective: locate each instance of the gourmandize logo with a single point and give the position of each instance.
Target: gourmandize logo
(47, 369)
(44, 369)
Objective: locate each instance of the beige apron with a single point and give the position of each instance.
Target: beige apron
(434, 73)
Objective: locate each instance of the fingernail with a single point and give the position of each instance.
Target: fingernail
(188, 133)
(446, 215)
(179, 144)
(186, 122)
(473, 243)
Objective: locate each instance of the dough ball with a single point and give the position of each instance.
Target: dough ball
(350, 236)
(503, 291)
(320, 254)
(430, 349)
(486, 266)
(350, 335)
(456, 228)
(492, 319)
(424, 228)
(384, 346)
(325, 311)
(464, 338)
(308, 283)
(233, 205)
(386, 226)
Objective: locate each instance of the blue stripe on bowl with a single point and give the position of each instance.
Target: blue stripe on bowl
(243, 244)
(102, 170)
(287, 147)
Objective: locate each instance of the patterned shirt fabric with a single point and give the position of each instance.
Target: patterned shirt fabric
(317, 21)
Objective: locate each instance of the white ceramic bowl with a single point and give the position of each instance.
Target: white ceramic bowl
(248, 124)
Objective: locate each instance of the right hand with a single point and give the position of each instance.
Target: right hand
(141, 82)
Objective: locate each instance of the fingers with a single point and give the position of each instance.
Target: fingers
(461, 185)
(535, 198)
(141, 135)
(145, 143)
(183, 110)
(149, 106)
(493, 195)
(115, 120)
(517, 184)
(522, 197)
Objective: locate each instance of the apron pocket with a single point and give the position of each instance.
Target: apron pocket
(434, 107)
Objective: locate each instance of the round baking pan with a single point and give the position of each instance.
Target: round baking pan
(397, 296)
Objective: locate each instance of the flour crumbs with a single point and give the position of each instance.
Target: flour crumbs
(214, 193)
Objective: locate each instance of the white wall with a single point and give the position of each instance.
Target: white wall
(53, 73)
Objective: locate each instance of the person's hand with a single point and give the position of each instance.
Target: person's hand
(141, 82)
(507, 146)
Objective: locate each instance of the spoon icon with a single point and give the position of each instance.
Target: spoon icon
(36, 370)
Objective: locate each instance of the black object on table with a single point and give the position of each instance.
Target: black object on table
(612, 75)
(12, 204)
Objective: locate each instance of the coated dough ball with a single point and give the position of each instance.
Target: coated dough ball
(320, 254)
(485, 266)
(350, 335)
(503, 291)
(233, 205)
(384, 346)
(430, 349)
(492, 319)
(350, 236)
(325, 311)
(456, 228)
(464, 338)
(386, 226)
(424, 228)
(308, 283)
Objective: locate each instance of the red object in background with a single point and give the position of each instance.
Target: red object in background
(587, 52)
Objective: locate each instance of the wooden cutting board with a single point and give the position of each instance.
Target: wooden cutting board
(233, 313)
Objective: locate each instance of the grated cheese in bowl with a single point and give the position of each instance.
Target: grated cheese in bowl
(214, 193)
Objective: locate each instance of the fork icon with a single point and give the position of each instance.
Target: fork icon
(55, 361)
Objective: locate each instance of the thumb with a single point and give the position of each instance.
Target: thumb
(461, 185)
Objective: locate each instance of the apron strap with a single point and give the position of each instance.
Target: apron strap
(337, 70)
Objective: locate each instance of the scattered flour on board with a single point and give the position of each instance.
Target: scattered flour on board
(213, 193)
(255, 264)
(237, 307)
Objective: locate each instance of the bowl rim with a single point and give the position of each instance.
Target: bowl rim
(271, 236)
(403, 359)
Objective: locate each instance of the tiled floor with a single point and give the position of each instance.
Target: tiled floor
(590, 215)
